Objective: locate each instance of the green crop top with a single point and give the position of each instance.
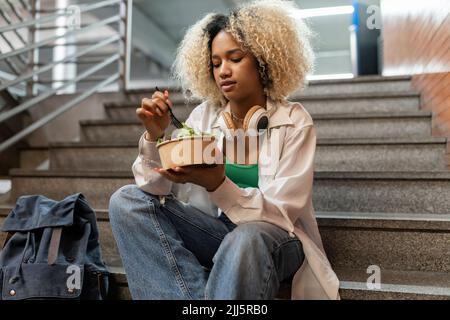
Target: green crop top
(243, 175)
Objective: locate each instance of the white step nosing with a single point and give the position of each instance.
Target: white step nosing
(5, 186)
(318, 117)
(320, 142)
(409, 94)
(384, 216)
(362, 286)
(142, 86)
(116, 270)
(382, 175)
(45, 165)
(426, 217)
(397, 288)
(363, 79)
(297, 97)
(371, 116)
(381, 141)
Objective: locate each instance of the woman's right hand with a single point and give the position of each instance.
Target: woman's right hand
(154, 114)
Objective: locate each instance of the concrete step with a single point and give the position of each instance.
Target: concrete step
(96, 186)
(138, 94)
(362, 125)
(114, 156)
(388, 154)
(127, 110)
(397, 192)
(331, 155)
(395, 285)
(415, 124)
(408, 242)
(357, 240)
(104, 131)
(377, 102)
(34, 158)
(119, 285)
(363, 84)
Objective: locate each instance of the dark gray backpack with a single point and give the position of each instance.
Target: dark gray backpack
(52, 251)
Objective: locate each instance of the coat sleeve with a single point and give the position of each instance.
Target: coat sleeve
(147, 179)
(147, 159)
(284, 198)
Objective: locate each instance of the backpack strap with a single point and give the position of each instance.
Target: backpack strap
(54, 245)
(8, 236)
(103, 285)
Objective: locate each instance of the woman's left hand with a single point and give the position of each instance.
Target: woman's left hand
(208, 177)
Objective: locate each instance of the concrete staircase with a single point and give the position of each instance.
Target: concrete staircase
(381, 190)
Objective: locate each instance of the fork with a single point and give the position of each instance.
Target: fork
(177, 123)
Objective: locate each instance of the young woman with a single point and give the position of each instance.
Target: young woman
(230, 231)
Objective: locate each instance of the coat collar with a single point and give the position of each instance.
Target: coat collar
(278, 114)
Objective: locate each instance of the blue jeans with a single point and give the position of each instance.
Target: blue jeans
(172, 250)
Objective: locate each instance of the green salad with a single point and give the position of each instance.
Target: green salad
(186, 131)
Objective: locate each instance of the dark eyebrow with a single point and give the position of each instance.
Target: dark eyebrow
(228, 52)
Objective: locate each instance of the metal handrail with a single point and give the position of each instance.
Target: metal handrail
(8, 20)
(53, 27)
(32, 22)
(17, 33)
(75, 43)
(29, 104)
(90, 79)
(102, 4)
(25, 5)
(49, 117)
(12, 66)
(84, 8)
(17, 14)
(8, 76)
(123, 56)
(126, 10)
(51, 65)
(21, 58)
(69, 33)
(87, 60)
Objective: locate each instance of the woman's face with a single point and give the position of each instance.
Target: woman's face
(235, 69)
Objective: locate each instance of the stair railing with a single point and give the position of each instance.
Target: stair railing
(28, 77)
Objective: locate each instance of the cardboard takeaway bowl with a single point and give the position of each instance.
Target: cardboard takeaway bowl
(186, 151)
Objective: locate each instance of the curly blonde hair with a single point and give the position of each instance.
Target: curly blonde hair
(269, 29)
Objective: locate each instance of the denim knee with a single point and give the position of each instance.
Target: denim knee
(117, 199)
(248, 238)
(122, 201)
